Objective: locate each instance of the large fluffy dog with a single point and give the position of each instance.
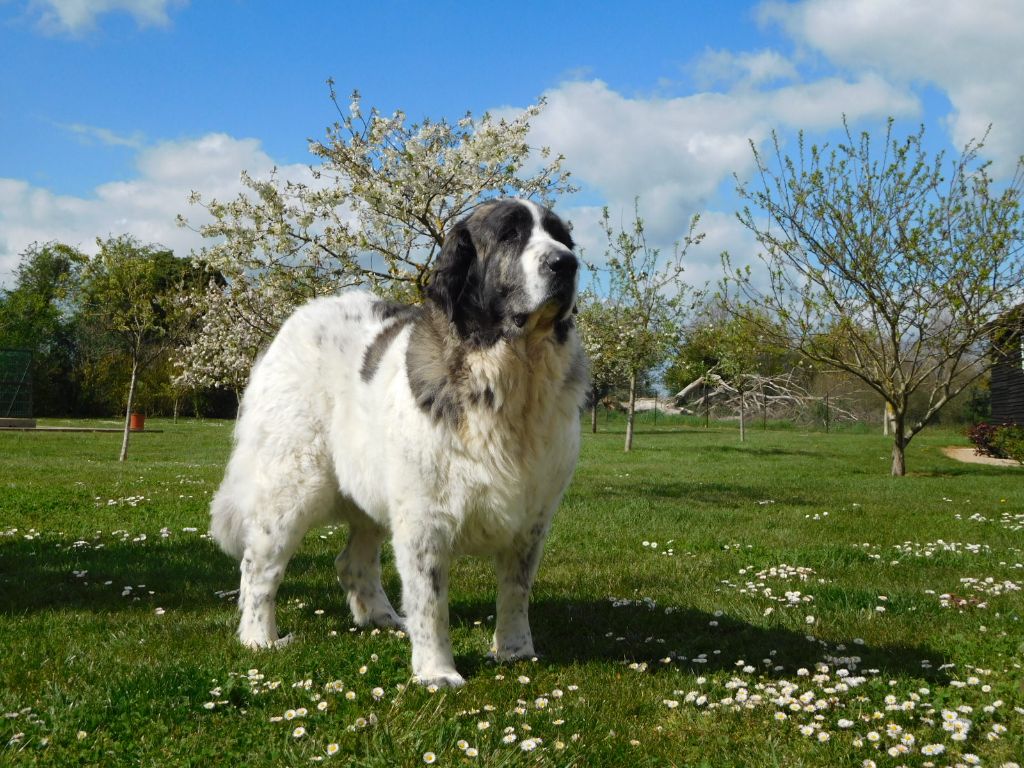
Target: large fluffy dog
(453, 425)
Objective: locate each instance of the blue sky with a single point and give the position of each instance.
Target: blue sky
(112, 110)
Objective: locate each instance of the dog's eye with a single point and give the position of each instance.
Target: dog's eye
(509, 235)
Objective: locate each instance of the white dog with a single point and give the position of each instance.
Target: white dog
(453, 426)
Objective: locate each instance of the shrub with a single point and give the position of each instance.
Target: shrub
(1000, 442)
(1009, 442)
(982, 436)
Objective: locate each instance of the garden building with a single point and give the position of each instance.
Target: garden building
(1008, 371)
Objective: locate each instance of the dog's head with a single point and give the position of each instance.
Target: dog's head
(505, 270)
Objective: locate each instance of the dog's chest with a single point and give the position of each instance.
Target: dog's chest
(516, 453)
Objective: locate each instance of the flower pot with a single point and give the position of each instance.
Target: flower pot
(137, 422)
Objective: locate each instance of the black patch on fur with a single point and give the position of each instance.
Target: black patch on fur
(433, 362)
(578, 375)
(563, 328)
(375, 352)
(385, 310)
(555, 227)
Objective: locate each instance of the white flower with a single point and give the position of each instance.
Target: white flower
(298, 733)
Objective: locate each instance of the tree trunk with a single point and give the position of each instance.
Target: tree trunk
(888, 420)
(177, 401)
(128, 411)
(631, 413)
(899, 447)
(707, 406)
(593, 412)
(764, 410)
(743, 433)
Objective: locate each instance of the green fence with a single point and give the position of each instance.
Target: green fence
(15, 383)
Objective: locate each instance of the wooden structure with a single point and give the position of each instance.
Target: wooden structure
(1008, 371)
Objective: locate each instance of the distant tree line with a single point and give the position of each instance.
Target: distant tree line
(883, 268)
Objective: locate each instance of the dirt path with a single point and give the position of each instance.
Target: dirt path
(968, 456)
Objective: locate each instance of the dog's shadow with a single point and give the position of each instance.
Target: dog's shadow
(570, 633)
(189, 574)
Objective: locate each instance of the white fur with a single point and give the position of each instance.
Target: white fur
(537, 247)
(316, 443)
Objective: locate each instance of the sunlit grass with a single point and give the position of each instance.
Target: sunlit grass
(667, 638)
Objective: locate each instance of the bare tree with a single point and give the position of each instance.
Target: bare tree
(886, 263)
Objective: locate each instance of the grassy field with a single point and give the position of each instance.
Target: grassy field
(701, 602)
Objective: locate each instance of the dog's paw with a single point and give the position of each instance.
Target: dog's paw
(264, 643)
(449, 679)
(506, 653)
(389, 620)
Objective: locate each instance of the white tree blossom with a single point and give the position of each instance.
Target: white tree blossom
(373, 212)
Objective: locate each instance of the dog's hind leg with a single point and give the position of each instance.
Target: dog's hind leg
(358, 568)
(266, 555)
(272, 535)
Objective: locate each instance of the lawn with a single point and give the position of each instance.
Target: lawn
(701, 602)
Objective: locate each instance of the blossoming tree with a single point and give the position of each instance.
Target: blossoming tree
(373, 212)
(634, 327)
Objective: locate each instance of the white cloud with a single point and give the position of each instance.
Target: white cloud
(971, 51)
(676, 153)
(88, 134)
(77, 17)
(745, 69)
(145, 206)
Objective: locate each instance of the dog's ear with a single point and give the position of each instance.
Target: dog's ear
(451, 271)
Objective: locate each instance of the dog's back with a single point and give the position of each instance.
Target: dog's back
(283, 419)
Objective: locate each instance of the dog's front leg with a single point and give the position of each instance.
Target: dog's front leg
(516, 568)
(423, 558)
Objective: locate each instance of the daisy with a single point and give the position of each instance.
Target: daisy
(472, 752)
(332, 749)
(429, 758)
(298, 733)
(528, 745)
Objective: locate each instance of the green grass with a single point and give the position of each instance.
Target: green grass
(96, 677)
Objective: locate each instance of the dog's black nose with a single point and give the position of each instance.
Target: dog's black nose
(562, 263)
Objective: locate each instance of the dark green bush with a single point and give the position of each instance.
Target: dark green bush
(1009, 442)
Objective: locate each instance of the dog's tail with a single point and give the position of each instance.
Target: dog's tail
(227, 524)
